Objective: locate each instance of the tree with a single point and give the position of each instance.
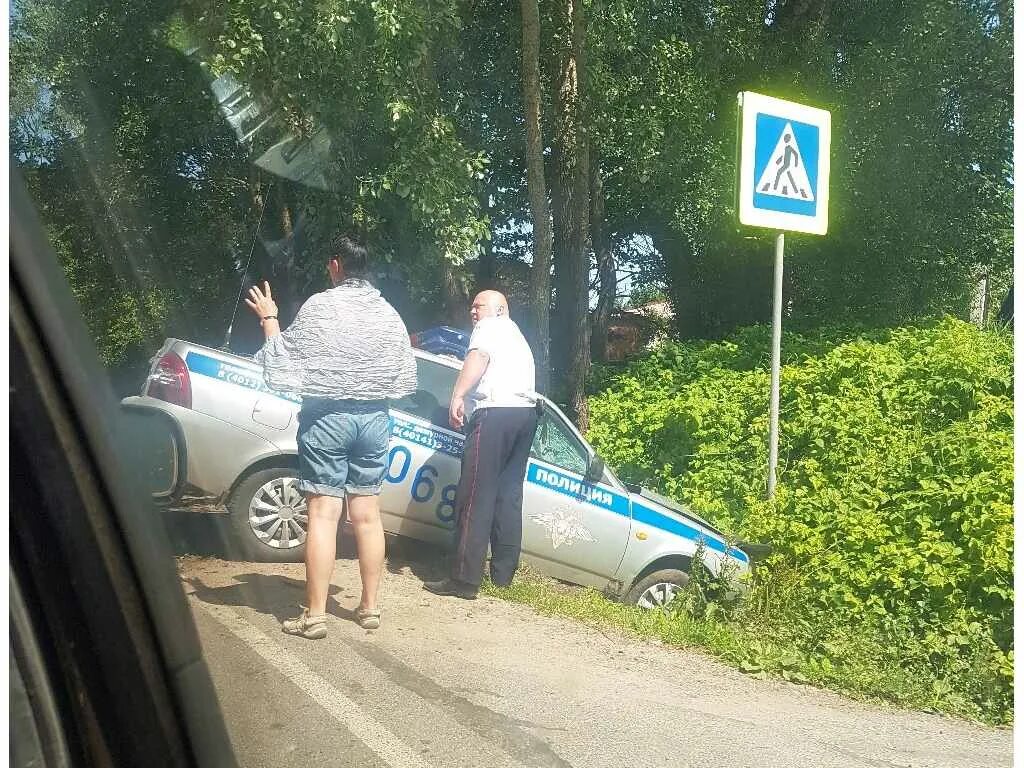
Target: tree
(607, 269)
(921, 162)
(420, 135)
(540, 214)
(171, 189)
(572, 210)
(140, 184)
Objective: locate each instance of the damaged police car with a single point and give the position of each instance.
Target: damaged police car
(226, 434)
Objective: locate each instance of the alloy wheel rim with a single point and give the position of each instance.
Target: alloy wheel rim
(658, 595)
(278, 514)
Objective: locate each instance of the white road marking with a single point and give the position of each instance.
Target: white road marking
(388, 747)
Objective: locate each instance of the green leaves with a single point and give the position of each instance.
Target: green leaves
(894, 510)
(919, 94)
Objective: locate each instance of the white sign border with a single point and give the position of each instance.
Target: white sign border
(751, 104)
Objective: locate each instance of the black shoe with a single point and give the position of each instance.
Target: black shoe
(452, 588)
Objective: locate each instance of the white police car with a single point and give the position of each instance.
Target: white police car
(230, 436)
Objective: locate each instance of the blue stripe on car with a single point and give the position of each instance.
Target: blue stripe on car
(599, 496)
(420, 434)
(568, 485)
(663, 522)
(239, 375)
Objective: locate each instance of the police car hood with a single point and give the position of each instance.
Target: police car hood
(675, 506)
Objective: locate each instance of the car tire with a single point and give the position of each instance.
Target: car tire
(269, 517)
(657, 589)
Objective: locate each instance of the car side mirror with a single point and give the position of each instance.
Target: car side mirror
(595, 471)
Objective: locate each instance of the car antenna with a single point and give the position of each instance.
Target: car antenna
(245, 272)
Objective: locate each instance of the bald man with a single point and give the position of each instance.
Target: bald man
(494, 403)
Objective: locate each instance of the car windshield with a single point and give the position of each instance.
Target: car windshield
(555, 444)
(758, 253)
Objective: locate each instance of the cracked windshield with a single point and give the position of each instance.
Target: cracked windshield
(555, 383)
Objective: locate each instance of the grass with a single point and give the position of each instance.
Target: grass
(860, 665)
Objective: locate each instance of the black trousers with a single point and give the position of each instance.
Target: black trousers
(489, 500)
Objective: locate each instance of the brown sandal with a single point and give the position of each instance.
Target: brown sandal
(309, 627)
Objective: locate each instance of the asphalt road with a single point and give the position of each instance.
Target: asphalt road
(488, 683)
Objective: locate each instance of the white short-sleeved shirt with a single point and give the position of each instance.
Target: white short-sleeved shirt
(508, 381)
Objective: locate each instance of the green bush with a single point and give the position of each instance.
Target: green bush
(893, 521)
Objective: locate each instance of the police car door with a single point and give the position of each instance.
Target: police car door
(572, 530)
(424, 458)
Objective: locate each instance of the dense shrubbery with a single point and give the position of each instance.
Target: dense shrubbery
(893, 522)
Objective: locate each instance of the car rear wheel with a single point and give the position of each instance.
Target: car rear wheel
(270, 516)
(657, 589)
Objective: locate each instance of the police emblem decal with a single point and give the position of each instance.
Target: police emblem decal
(565, 526)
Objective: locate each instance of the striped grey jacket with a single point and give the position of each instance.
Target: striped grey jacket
(346, 343)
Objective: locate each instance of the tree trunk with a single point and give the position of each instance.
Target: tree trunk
(286, 271)
(540, 274)
(487, 266)
(572, 214)
(559, 330)
(606, 268)
(679, 269)
(290, 286)
(979, 302)
(287, 224)
(456, 297)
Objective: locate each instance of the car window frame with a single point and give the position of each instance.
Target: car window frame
(443, 403)
(608, 477)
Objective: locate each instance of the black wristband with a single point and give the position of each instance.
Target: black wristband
(270, 317)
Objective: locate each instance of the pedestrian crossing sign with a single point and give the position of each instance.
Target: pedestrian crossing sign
(783, 164)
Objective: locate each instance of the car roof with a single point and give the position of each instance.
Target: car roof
(450, 362)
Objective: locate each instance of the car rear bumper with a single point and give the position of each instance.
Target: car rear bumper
(190, 448)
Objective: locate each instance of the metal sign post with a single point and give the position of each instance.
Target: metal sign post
(783, 168)
(773, 426)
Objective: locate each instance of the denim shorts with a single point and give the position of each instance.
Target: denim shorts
(343, 446)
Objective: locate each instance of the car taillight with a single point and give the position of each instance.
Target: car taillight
(170, 381)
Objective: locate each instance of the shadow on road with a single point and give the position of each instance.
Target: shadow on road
(209, 534)
(277, 596)
(425, 561)
(203, 534)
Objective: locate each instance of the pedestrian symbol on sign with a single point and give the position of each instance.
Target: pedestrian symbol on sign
(785, 175)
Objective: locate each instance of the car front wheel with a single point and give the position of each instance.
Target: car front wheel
(657, 589)
(270, 516)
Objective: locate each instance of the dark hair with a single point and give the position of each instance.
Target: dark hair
(352, 255)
